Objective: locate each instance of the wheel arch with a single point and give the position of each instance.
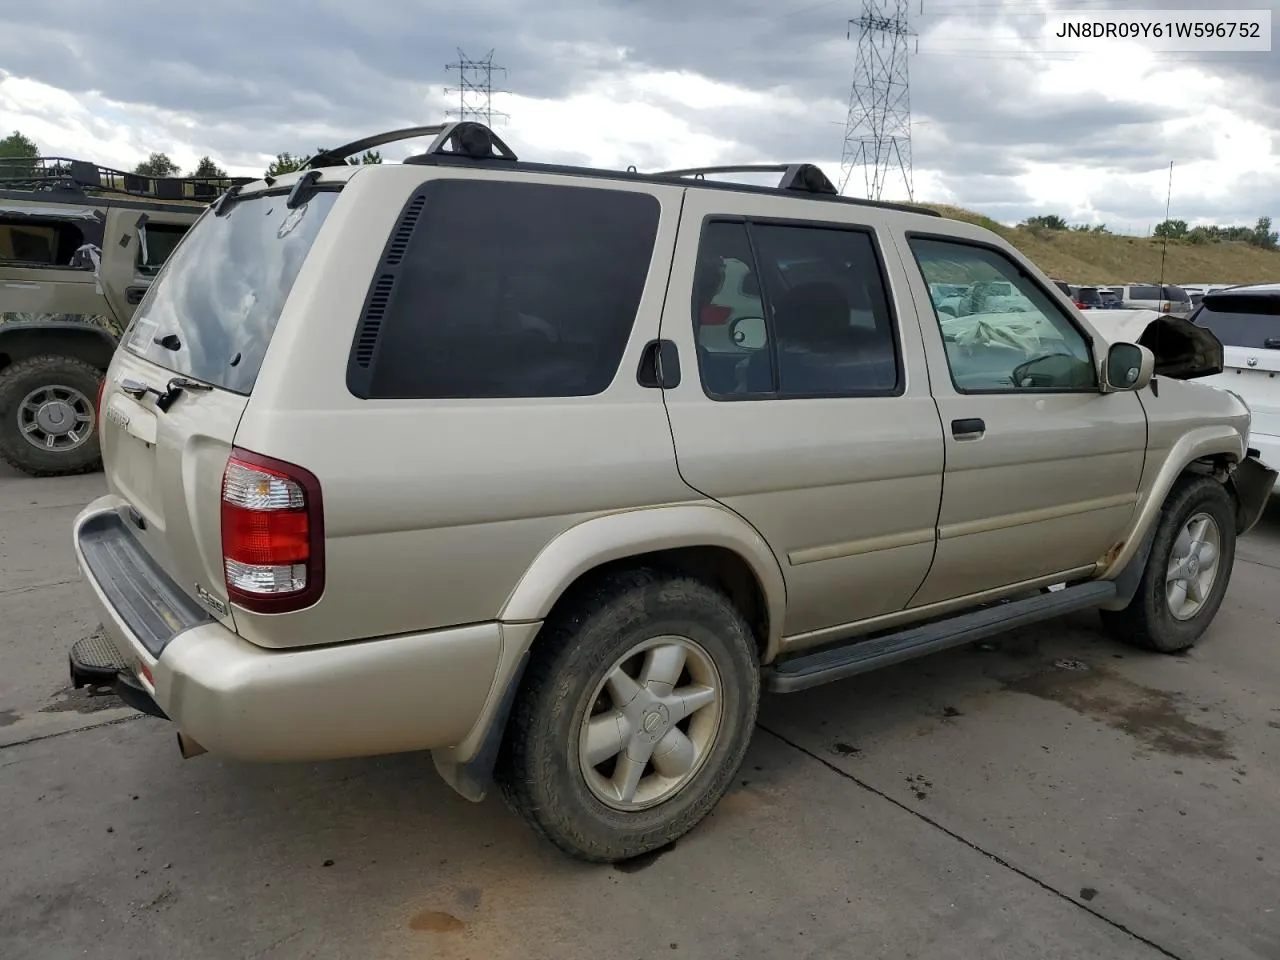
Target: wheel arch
(1211, 450)
(86, 342)
(705, 541)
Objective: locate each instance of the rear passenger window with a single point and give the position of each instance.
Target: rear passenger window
(508, 290)
(822, 328)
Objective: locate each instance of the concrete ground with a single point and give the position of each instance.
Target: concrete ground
(1050, 796)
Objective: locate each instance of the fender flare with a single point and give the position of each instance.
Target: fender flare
(468, 766)
(616, 536)
(1207, 441)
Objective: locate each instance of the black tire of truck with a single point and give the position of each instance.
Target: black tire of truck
(541, 771)
(22, 380)
(1148, 622)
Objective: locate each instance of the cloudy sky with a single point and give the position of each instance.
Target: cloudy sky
(1001, 122)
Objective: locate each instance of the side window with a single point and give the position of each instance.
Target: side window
(1004, 333)
(29, 241)
(822, 328)
(512, 290)
(161, 239)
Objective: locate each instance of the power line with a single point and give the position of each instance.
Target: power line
(877, 133)
(475, 88)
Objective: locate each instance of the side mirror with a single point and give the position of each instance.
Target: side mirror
(748, 333)
(1128, 367)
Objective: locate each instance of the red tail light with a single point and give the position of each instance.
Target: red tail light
(272, 534)
(714, 316)
(1079, 305)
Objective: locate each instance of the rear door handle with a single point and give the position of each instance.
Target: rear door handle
(969, 429)
(134, 295)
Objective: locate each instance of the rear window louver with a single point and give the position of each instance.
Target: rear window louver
(375, 309)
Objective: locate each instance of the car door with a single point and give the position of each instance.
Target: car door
(138, 242)
(1042, 468)
(46, 272)
(819, 430)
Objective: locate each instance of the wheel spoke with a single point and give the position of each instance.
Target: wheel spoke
(1202, 525)
(662, 668)
(1182, 545)
(689, 700)
(626, 777)
(1194, 590)
(622, 688)
(606, 736)
(675, 754)
(1208, 556)
(1177, 571)
(1177, 595)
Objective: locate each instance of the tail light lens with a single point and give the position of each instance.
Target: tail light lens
(272, 534)
(713, 315)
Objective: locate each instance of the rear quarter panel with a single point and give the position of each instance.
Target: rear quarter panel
(433, 510)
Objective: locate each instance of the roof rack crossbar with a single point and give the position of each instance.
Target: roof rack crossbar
(474, 140)
(49, 174)
(804, 177)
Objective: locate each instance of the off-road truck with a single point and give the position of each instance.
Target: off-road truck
(79, 245)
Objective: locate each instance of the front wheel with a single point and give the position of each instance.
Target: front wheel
(635, 713)
(48, 422)
(1187, 573)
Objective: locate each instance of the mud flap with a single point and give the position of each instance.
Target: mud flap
(1252, 482)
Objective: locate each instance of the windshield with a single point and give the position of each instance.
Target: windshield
(211, 311)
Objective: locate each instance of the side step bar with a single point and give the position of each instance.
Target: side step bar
(865, 655)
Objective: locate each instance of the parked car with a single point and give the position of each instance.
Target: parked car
(432, 456)
(1109, 299)
(1086, 298)
(1246, 319)
(79, 244)
(1166, 299)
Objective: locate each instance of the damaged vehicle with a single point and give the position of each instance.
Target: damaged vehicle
(79, 245)
(439, 456)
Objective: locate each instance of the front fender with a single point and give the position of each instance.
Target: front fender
(1252, 482)
(1211, 440)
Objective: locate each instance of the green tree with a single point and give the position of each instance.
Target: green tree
(18, 155)
(1263, 235)
(285, 163)
(1171, 229)
(157, 165)
(1048, 221)
(207, 168)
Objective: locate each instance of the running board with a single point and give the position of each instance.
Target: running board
(864, 655)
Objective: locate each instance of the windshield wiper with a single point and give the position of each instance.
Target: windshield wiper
(166, 397)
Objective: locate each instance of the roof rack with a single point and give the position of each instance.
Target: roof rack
(805, 177)
(464, 137)
(464, 141)
(53, 174)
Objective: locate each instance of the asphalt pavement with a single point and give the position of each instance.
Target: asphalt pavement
(1047, 795)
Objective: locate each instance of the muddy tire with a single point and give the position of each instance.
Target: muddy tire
(1187, 573)
(48, 421)
(634, 714)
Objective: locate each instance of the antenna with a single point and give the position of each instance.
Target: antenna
(475, 88)
(877, 132)
(1164, 248)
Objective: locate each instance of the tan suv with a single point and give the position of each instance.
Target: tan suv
(434, 456)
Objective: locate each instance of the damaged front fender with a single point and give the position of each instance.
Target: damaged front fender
(1252, 482)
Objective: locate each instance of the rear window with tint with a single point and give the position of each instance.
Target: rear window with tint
(1176, 294)
(211, 311)
(1144, 293)
(507, 290)
(1088, 295)
(1242, 321)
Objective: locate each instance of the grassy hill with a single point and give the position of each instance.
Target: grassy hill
(1079, 257)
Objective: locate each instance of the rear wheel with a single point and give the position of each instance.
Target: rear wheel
(1187, 573)
(48, 421)
(634, 715)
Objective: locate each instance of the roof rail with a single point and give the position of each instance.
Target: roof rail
(465, 137)
(804, 177)
(52, 174)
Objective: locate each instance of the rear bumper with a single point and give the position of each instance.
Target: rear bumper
(411, 692)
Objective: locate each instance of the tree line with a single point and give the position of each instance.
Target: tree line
(1259, 235)
(18, 155)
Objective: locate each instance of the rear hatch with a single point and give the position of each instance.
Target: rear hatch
(1248, 324)
(203, 328)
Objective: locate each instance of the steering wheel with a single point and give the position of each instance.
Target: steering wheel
(1024, 376)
